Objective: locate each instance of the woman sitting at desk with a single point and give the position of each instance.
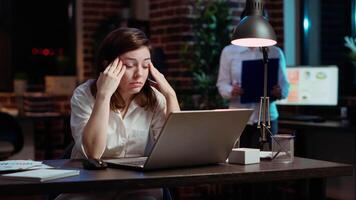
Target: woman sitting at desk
(120, 114)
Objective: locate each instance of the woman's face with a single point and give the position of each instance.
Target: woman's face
(137, 69)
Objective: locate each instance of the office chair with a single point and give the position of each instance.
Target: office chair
(11, 136)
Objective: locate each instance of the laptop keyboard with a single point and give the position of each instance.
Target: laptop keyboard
(136, 161)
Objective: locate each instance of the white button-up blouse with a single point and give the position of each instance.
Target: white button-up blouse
(230, 71)
(131, 136)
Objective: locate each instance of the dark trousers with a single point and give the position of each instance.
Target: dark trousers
(250, 137)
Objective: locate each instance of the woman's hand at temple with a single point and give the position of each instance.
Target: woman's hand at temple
(161, 83)
(109, 80)
(165, 88)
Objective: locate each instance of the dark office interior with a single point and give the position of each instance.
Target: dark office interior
(47, 49)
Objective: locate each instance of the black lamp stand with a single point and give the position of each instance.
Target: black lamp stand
(264, 119)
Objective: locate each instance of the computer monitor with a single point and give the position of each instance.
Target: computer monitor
(312, 85)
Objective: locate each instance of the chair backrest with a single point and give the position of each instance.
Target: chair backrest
(10, 131)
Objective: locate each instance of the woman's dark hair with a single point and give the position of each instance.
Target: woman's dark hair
(116, 43)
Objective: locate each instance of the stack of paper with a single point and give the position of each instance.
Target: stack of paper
(12, 165)
(40, 175)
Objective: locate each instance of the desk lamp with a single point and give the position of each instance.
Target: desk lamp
(255, 31)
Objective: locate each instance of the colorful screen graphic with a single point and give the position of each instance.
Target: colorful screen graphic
(312, 86)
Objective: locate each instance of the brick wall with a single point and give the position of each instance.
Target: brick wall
(236, 7)
(61, 103)
(91, 14)
(170, 28)
(170, 22)
(275, 11)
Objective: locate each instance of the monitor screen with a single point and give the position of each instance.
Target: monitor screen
(312, 85)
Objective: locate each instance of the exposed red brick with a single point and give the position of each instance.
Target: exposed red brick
(4, 99)
(173, 47)
(90, 12)
(155, 40)
(154, 5)
(98, 5)
(94, 12)
(170, 26)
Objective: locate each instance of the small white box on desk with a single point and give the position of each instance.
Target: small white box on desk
(244, 156)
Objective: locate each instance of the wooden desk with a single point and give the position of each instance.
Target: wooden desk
(315, 170)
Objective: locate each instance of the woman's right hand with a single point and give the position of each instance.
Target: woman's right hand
(109, 80)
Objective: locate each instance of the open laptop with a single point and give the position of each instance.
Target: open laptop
(191, 138)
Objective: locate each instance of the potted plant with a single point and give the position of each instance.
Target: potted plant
(350, 43)
(210, 35)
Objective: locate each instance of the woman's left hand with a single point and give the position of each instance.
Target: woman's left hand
(161, 83)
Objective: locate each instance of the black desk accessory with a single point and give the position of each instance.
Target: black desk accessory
(94, 164)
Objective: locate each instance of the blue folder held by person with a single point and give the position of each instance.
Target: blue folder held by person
(252, 79)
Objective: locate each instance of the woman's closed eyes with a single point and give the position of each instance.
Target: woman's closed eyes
(131, 65)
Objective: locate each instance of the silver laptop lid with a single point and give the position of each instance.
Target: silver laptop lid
(201, 137)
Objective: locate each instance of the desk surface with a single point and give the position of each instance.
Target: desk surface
(301, 168)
